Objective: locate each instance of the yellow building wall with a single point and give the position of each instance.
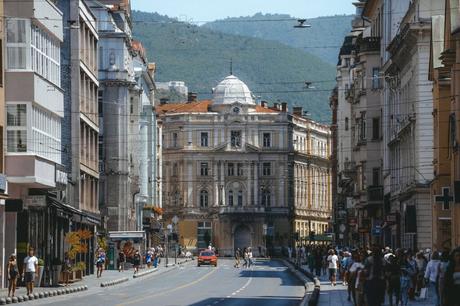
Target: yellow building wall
(188, 230)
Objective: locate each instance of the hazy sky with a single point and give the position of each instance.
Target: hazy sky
(208, 10)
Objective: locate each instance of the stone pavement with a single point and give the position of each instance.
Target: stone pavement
(338, 296)
(92, 281)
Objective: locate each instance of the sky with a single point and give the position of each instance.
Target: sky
(209, 10)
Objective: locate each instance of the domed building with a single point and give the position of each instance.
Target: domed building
(228, 170)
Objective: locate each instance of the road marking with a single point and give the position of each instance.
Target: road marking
(168, 291)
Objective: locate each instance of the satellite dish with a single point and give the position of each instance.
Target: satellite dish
(301, 24)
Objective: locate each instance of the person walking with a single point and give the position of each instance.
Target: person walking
(66, 268)
(245, 258)
(332, 260)
(405, 285)
(451, 281)
(136, 261)
(100, 262)
(237, 258)
(149, 259)
(374, 286)
(29, 270)
(431, 278)
(356, 266)
(121, 261)
(393, 279)
(421, 262)
(250, 262)
(12, 274)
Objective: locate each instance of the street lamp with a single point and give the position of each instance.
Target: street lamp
(175, 220)
(169, 227)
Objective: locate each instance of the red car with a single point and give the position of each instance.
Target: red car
(207, 257)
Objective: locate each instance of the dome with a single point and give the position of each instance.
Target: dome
(232, 90)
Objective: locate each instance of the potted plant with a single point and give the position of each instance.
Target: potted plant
(57, 268)
(79, 268)
(41, 269)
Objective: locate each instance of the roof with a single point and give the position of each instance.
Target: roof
(231, 90)
(199, 107)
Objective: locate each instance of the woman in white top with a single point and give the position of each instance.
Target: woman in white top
(431, 277)
(332, 260)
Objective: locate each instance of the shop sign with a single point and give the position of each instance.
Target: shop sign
(35, 201)
(377, 230)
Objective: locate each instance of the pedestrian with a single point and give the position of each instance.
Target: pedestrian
(374, 286)
(260, 251)
(12, 274)
(136, 261)
(405, 285)
(289, 252)
(66, 268)
(29, 270)
(332, 260)
(121, 261)
(155, 259)
(442, 276)
(431, 278)
(421, 267)
(318, 262)
(245, 258)
(148, 259)
(451, 283)
(393, 279)
(100, 262)
(355, 267)
(237, 258)
(250, 262)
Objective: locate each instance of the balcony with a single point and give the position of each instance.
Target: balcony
(369, 44)
(374, 195)
(42, 11)
(252, 210)
(30, 171)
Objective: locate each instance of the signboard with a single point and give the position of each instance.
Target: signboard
(377, 230)
(35, 201)
(2, 183)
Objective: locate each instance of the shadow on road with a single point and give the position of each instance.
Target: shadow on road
(249, 301)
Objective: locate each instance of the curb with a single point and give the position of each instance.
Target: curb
(114, 282)
(144, 273)
(42, 295)
(313, 298)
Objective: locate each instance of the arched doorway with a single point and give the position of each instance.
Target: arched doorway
(242, 237)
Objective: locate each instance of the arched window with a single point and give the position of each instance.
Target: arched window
(240, 198)
(266, 198)
(204, 198)
(230, 198)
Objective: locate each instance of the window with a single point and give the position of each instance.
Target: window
(376, 176)
(174, 140)
(204, 169)
(236, 139)
(346, 123)
(240, 169)
(376, 78)
(240, 198)
(204, 234)
(175, 169)
(204, 139)
(376, 128)
(266, 169)
(266, 198)
(45, 55)
(361, 122)
(17, 141)
(16, 115)
(204, 197)
(230, 169)
(230, 198)
(16, 42)
(267, 140)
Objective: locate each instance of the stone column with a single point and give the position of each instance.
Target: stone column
(256, 183)
(248, 174)
(216, 182)
(222, 182)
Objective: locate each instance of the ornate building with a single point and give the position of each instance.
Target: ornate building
(228, 167)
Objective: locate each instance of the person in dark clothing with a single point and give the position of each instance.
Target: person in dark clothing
(374, 286)
(318, 262)
(392, 276)
(451, 281)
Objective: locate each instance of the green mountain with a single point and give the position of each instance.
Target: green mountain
(323, 39)
(201, 57)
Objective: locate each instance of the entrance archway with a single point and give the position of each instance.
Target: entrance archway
(242, 237)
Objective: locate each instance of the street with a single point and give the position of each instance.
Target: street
(266, 283)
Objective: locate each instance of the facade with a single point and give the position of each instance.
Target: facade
(229, 172)
(117, 89)
(312, 177)
(445, 188)
(35, 108)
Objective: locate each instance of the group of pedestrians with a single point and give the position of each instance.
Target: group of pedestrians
(28, 276)
(245, 255)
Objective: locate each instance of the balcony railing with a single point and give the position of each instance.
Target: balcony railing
(375, 194)
(369, 44)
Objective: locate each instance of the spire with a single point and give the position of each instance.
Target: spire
(231, 66)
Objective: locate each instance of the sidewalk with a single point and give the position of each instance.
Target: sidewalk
(338, 296)
(93, 282)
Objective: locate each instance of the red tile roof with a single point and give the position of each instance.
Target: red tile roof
(198, 107)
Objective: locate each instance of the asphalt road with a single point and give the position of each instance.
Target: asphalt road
(266, 283)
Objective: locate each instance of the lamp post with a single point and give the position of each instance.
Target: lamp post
(175, 220)
(168, 232)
